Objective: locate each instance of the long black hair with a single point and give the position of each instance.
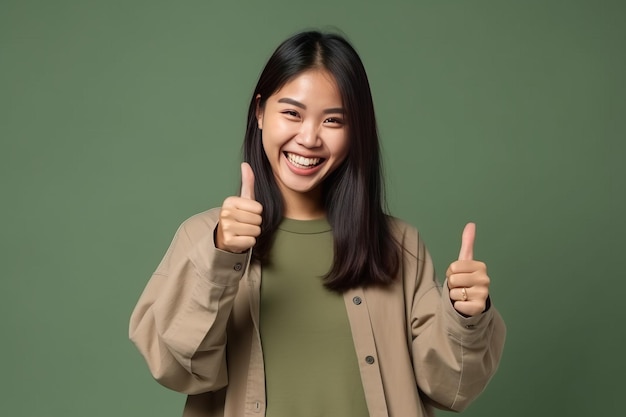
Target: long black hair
(365, 252)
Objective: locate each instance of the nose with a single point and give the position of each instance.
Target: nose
(308, 136)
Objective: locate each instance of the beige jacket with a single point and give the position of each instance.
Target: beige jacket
(197, 326)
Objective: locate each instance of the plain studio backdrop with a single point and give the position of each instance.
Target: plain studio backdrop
(120, 119)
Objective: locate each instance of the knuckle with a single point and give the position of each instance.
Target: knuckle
(485, 281)
(451, 281)
(226, 213)
(227, 227)
(482, 292)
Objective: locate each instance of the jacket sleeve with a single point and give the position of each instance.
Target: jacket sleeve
(454, 356)
(179, 323)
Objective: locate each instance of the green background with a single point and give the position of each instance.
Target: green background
(119, 119)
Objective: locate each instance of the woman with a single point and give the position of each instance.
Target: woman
(300, 296)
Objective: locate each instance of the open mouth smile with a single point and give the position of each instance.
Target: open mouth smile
(302, 162)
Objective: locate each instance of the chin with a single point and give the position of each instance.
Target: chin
(302, 187)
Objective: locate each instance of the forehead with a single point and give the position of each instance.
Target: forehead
(311, 83)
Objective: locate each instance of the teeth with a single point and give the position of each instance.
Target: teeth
(302, 161)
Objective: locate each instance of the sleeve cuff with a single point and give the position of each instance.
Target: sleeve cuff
(459, 324)
(218, 266)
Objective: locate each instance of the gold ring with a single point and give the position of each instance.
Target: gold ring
(464, 294)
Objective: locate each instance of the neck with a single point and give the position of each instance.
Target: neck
(304, 206)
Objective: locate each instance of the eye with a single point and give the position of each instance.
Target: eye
(336, 121)
(291, 113)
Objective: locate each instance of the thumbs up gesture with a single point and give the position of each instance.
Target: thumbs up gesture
(240, 218)
(467, 279)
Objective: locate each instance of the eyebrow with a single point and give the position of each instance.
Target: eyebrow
(303, 106)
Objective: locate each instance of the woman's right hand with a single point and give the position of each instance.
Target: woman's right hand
(240, 218)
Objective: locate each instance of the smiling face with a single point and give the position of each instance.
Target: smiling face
(305, 138)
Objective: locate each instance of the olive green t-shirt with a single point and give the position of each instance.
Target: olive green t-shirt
(311, 367)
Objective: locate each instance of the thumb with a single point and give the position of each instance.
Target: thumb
(467, 242)
(247, 181)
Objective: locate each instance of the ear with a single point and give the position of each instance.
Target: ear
(259, 112)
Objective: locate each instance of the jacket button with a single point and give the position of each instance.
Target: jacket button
(369, 359)
(357, 300)
(237, 266)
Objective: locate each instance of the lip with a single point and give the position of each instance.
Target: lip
(303, 171)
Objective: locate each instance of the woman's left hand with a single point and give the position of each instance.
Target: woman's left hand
(467, 279)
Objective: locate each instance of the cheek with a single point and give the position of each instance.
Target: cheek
(276, 132)
(266, 143)
(271, 146)
(341, 147)
(274, 135)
